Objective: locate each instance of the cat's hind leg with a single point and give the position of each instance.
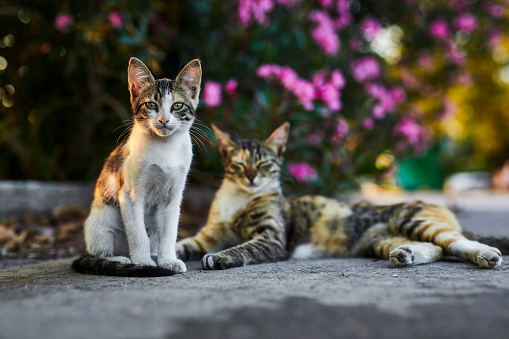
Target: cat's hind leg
(438, 225)
(103, 233)
(380, 242)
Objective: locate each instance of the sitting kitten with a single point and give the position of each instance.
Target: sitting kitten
(137, 198)
(251, 221)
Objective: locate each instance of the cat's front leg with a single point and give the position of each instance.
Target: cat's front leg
(131, 208)
(167, 227)
(264, 247)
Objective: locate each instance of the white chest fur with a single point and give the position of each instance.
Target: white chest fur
(155, 165)
(229, 200)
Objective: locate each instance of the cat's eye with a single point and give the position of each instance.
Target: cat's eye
(177, 106)
(264, 166)
(151, 105)
(237, 166)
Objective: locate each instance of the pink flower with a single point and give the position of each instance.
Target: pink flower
(337, 79)
(409, 129)
(324, 32)
(368, 123)
(212, 94)
(341, 130)
(63, 21)
(379, 111)
(256, 9)
(288, 77)
(465, 23)
(231, 86)
(288, 3)
(302, 172)
(266, 70)
(494, 9)
(398, 95)
(305, 92)
(365, 69)
(326, 3)
(345, 16)
(439, 30)
(115, 19)
(370, 27)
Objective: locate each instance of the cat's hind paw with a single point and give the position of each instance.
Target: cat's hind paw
(489, 258)
(402, 256)
(176, 265)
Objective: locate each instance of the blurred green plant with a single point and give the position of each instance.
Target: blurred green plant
(363, 83)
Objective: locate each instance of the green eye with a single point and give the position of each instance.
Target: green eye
(151, 105)
(177, 106)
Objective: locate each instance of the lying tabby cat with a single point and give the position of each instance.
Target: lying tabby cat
(251, 221)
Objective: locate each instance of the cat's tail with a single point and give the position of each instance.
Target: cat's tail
(91, 264)
(502, 243)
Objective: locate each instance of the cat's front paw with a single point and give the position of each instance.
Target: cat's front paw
(489, 257)
(143, 261)
(402, 256)
(176, 265)
(216, 262)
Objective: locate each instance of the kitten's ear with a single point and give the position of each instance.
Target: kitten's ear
(278, 138)
(225, 143)
(139, 77)
(189, 79)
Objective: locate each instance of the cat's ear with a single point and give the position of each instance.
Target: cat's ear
(139, 77)
(189, 79)
(278, 138)
(225, 143)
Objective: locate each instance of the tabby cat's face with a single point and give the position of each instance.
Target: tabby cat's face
(253, 165)
(164, 106)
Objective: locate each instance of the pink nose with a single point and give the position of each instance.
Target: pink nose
(250, 174)
(163, 121)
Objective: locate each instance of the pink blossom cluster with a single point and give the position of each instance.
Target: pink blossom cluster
(341, 130)
(465, 23)
(302, 172)
(258, 9)
(327, 90)
(63, 22)
(116, 19)
(370, 27)
(410, 130)
(324, 32)
(365, 69)
(212, 91)
(388, 99)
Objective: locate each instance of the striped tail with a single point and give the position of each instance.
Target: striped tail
(502, 243)
(90, 264)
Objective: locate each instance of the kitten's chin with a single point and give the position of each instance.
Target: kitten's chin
(163, 132)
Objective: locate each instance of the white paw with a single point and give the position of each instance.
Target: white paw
(176, 265)
(489, 258)
(122, 260)
(402, 255)
(143, 261)
(179, 249)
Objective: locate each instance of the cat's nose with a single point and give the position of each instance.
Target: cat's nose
(163, 121)
(250, 174)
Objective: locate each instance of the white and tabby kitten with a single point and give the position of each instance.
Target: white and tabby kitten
(132, 226)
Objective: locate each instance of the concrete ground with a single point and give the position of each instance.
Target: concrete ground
(320, 298)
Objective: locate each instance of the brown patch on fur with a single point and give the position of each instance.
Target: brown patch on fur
(199, 245)
(440, 230)
(423, 229)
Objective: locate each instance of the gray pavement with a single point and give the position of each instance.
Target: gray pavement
(320, 298)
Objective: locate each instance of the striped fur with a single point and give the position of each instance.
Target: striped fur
(251, 221)
(136, 207)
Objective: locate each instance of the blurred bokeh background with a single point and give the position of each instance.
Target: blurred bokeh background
(399, 93)
(372, 88)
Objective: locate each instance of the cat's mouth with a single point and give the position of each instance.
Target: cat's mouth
(164, 130)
